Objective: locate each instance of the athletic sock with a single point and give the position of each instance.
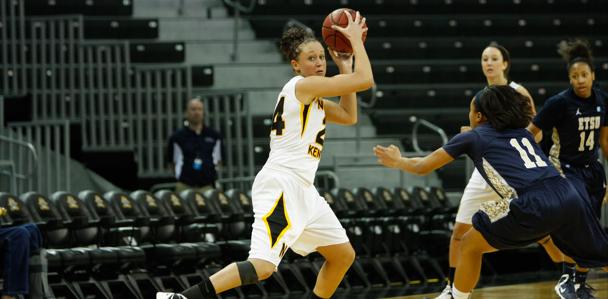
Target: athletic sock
(314, 296)
(202, 290)
(456, 294)
(569, 269)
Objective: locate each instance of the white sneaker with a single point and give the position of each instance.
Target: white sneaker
(445, 294)
(161, 295)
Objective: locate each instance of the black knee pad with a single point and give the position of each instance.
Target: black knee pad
(247, 273)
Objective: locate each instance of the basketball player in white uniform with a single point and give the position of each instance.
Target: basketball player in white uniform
(289, 212)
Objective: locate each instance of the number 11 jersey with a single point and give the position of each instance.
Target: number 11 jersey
(297, 134)
(509, 160)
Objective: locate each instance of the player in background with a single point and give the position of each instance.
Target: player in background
(288, 210)
(577, 117)
(495, 64)
(535, 200)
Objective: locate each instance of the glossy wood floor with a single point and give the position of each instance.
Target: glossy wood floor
(541, 290)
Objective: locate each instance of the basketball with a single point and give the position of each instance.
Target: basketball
(334, 39)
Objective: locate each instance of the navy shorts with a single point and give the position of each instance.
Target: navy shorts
(590, 179)
(551, 207)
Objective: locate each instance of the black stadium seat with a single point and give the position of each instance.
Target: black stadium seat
(157, 52)
(278, 7)
(120, 28)
(90, 7)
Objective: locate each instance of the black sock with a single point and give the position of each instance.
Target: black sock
(314, 296)
(581, 277)
(203, 290)
(569, 269)
(451, 275)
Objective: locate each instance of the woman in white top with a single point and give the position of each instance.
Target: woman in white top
(288, 210)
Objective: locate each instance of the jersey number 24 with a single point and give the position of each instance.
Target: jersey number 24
(278, 124)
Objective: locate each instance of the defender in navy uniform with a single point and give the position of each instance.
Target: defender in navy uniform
(536, 200)
(577, 117)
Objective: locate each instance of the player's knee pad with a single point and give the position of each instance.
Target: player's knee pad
(247, 273)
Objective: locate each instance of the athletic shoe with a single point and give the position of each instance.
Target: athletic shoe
(446, 293)
(565, 287)
(161, 295)
(585, 291)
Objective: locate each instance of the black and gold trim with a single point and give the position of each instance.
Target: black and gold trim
(304, 113)
(283, 250)
(277, 221)
(555, 151)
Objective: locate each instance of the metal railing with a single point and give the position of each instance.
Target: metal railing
(105, 102)
(53, 63)
(238, 9)
(159, 101)
(9, 149)
(422, 122)
(12, 39)
(49, 164)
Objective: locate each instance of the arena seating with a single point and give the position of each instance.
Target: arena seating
(168, 241)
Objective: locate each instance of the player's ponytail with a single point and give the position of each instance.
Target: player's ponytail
(577, 50)
(291, 40)
(504, 107)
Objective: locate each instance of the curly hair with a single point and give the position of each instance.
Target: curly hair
(292, 39)
(506, 57)
(576, 50)
(504, 107)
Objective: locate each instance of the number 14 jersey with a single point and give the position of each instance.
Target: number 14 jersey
(297, 134)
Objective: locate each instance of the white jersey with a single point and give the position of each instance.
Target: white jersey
(297, 135)
(514, 85)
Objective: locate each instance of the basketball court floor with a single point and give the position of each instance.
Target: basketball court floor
(540, 290)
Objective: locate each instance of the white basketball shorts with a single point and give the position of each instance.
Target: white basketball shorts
(475, 193)
(290, 213)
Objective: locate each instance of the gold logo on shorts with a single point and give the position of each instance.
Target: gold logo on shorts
(283, 250)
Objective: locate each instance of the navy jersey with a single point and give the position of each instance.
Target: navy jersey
(509, 160)
(576, 125)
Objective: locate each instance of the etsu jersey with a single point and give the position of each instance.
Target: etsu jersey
(297, 134)
(509, 160)
(576, 125)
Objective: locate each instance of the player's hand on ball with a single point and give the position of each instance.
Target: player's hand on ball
(354, 30)
(388, 156)
(344, 61)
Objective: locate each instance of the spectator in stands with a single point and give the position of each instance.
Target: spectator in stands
(195, 151)
(17, 243)
(577, 117)
(535, 200)
(289, 212)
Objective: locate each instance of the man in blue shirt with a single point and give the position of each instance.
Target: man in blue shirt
(194, 151)
(536, 200)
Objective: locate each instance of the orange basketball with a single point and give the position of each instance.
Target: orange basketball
(333, 38)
